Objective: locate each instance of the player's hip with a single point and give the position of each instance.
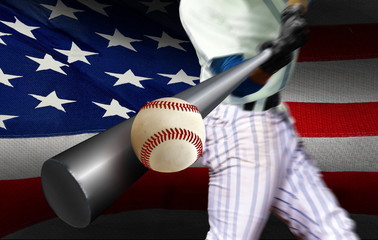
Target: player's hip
(235, 136)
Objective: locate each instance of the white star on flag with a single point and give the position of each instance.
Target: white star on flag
(128, 77)
(167, 41)
(21, 27)
(76, 54)
(4, 78)
(51, 100)
(95, 6)
(48, 62)
(2, 35)
(181, 76)
(118, 39)
(4, 118)
(156, 5)
(60, 9)
(114, 109)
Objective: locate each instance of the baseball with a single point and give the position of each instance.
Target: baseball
(168, 134)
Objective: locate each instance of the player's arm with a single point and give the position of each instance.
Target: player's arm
(222, 64)
(293, 35)
(301, 3)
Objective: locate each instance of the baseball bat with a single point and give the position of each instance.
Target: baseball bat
(84, 180)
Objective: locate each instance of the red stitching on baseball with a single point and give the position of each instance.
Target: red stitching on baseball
(169, 134)
(171, 105)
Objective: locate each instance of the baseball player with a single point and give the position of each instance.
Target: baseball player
(256, 162)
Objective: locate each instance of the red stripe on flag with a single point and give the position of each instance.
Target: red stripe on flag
(335, 119)
(356, 191)
(186, 189)
(341, 42)
(22, 202)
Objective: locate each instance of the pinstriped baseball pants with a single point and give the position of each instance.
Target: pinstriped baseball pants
(257, 165)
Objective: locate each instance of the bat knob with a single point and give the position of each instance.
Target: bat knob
(65, 195)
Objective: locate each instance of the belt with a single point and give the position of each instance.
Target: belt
(272, 101)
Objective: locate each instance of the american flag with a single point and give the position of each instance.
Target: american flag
(83, 66)
(70, 69)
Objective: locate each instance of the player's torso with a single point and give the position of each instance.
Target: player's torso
(231, 26)
(226, 27)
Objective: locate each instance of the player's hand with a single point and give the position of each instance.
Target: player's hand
(293, 35)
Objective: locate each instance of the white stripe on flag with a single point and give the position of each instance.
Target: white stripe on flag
(23, 157)
(332, 154)
(341, 154)
(344, 154)
(334, 82)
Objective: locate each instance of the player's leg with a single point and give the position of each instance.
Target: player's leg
(241, 152)
(307, 204)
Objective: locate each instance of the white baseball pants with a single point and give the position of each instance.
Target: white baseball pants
(257, 165)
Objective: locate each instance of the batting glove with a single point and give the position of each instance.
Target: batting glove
(293, 35)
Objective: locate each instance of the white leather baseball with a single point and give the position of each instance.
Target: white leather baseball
(168, 134)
